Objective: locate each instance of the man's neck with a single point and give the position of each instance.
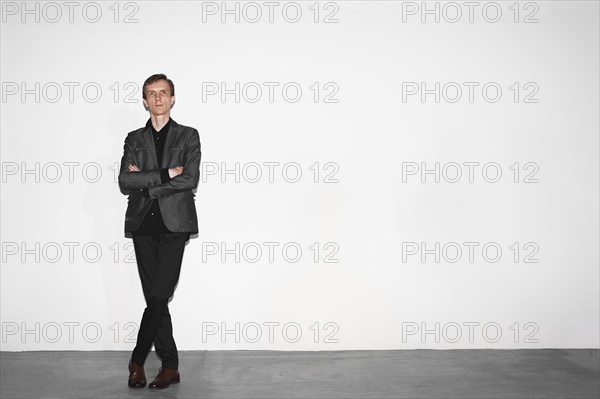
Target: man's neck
(159, 121)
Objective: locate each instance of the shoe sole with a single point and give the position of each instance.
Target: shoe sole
(138, 385)
(154, 387)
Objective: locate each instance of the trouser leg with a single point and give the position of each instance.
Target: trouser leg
(159, 260)
(164, 343)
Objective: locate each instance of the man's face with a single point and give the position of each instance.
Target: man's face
(158, 98)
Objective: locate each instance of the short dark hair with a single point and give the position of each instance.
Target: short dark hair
(155, 78)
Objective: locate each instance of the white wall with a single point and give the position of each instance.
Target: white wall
(366, 140)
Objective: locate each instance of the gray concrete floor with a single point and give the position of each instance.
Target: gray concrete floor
(480, 373)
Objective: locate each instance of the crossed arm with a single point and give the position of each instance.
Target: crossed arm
(155, 181)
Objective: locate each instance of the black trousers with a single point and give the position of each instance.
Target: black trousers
(159, 259)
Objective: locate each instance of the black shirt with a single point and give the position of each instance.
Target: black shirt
(153, 221)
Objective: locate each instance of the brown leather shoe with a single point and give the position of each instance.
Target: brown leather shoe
(137, 377)
(165, 377)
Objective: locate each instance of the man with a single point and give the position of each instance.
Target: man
(159, 169)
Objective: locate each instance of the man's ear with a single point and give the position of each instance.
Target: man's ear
(145, 103)
(172, 101)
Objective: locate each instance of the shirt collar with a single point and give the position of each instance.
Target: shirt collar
(164, 129)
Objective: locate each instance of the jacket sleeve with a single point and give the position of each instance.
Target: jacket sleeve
(188, 180)
(135, 181)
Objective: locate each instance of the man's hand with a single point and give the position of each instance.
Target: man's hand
(176, 171)
(133, 168)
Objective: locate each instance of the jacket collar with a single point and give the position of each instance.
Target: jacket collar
(171, 124)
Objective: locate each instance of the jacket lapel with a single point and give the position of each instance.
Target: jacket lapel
(150, 145)
(169, 143)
